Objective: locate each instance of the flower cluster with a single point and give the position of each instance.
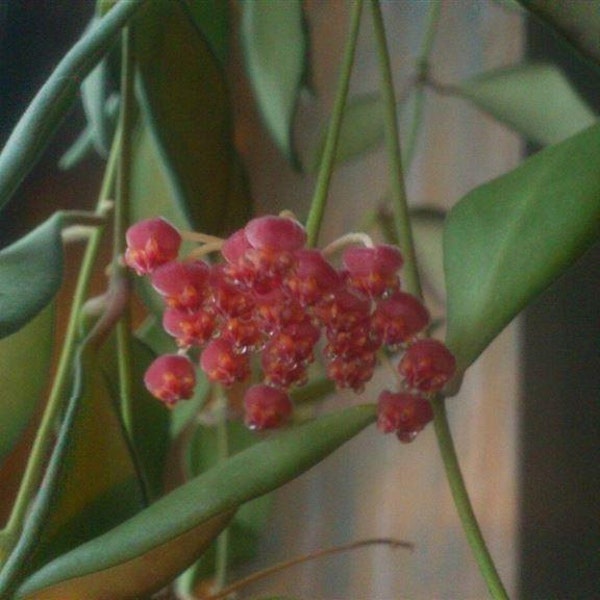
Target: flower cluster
(273, 298)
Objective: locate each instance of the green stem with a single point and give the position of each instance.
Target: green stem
(399, 199)
(422, 65)
(463, 504)
(121, 222)
(45, 434)
(319, 200)
(222, 549)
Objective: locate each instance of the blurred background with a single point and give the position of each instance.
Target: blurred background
(527, 421)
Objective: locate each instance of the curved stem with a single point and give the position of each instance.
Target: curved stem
(462, 502)
(238, 585)
(319, 200)
(55, 98)
(399, 198)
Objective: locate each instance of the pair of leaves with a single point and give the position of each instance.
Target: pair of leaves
(536, 100)
(148, 550)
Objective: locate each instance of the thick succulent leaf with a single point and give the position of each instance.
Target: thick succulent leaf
(274, 40)
(576, 21)
(53, 101)
(536, 100)
(149, 419)
(184, 98)
(25, 358)
(91, 483)
(150, 549)
(509, 239)
(31, 272)
(246, 525)
(212, 18)
(99, 486)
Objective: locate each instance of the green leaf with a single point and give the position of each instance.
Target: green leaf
(25, 359)
(509, 239)
(212, 18)
(150, 549)
(91, 483)
(94, 95)
(84, 145)
(538, 101)
(150, 420)
(577, 22)
(362, 130)
(274, 40)
(184, 99)
(31, 272)
(53, 101)
(249, 520)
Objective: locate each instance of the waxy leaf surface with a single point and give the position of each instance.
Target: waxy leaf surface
(31, 272)
(150, 549)
(510, 238)
(91, 483)
(536, 100)
(275, 46)
(185, 102)
(245, 527)
(25, 358)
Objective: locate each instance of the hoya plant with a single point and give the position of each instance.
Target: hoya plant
(175, 401)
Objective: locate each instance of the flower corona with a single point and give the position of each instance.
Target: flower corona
(273, 297)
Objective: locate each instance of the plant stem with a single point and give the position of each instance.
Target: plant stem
(319, 200)
(399, 199)
(238, 585)
(462, 502)
(222, 549)
(422, 65)
(121, 222)
(45, 433)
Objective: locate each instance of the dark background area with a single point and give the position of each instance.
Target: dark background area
(560, 414)
(560, 419)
